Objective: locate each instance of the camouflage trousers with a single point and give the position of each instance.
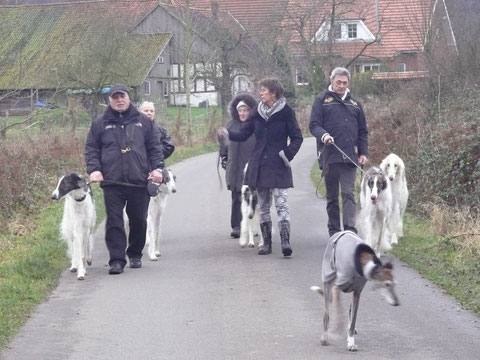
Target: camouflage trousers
(265, 202)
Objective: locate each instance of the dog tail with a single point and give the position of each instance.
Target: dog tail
(317, 289)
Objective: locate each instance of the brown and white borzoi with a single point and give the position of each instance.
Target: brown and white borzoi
(348, 263)
(394, 168)
(375, 207)
(78, 220)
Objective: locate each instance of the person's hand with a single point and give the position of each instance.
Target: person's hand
(362, 160)
(156, 176)
(223, 162)
(220, 133)
(328, 140)
(222, 136)
(96, 176)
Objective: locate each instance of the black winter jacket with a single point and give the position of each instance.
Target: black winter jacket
(345, 121)
(165, 139)
(112, 132)
(265, 167)
(237, 153)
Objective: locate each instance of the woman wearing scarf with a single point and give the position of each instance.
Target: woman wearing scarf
(278, 139)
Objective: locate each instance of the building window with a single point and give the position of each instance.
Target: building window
(165, 89)
(300, 77)
(367, 67)
(352, 31)
(160, 60)
(146, 87)
(337, 31)
(401, 67)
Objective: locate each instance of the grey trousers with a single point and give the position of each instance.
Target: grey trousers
(340, 176)
(265, 202)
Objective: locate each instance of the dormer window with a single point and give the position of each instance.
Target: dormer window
(345, 30)
(352, 31)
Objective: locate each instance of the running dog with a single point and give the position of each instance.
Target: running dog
(375, 207)
(250, 224)
(348, 263)
(394, 168)
(78, 220)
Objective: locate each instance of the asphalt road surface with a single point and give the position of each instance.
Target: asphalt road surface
(206, 298)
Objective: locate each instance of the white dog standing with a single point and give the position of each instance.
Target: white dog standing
(250, 224)
(78, 220)
(394, 167)
(375, 207)
(156, 209)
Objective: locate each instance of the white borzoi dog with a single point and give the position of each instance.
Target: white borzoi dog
(78, 220)
(348, 263)
(156, 209)
(375, 207)
(250, 225)
(394, 167)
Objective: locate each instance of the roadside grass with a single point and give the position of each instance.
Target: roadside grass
(446, 260)
(31, 263)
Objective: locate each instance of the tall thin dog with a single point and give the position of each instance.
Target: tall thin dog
(348, 263)
(78, 220)
(250, 224)
(156, 210)
(375, 207)
(394, 167)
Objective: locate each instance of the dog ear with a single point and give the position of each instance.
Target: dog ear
(384, 184)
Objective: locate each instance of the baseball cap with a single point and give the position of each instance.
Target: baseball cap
(118, 88)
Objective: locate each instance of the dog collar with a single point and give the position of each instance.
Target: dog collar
(82, 198)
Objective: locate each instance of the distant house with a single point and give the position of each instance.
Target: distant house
(50, 51)
(367, 35)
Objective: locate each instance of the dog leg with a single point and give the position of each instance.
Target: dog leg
(251, 242)
(352, 319)
(244, 233)
(326, 314)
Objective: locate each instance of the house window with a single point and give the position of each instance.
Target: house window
(165, 89)
(337, 31)
(160, 60)
(367, 67)
(352, 31)
(146, 87)
(402, 67)
(300, 77)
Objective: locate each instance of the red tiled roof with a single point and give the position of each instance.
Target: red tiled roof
(402, 25)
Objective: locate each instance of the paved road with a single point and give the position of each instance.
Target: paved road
(208, 299)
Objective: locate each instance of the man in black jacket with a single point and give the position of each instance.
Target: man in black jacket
(338, 118)
(123, 153)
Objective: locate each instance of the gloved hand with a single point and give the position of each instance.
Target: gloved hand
(223, 162)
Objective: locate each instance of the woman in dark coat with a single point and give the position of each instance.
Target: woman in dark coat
(236, 154)
(278, 139)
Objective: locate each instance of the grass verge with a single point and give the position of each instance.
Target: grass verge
(31, 264)
(441, 259)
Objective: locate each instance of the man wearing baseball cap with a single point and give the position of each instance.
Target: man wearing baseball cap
(123, 154)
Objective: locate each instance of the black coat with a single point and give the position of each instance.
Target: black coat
(265, 167)
(165, 139)
(237, 153)
(112, 132)
(345, 121)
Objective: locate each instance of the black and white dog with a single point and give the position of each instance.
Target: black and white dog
(250, 225)
(78, 220)
(156, 209)
(375, 208)
(348, 263)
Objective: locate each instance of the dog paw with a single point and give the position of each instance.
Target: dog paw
(89, 262)
(153, 258)
(250, 245)
(73, 269)
(157, 254)
(351, 344)
(324, 340)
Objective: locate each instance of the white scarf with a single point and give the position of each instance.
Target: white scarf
(344, 95)
(266, 112)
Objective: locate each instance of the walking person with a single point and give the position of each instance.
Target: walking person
(337, 120)
(148, 108)
(278, 139)
(123, 153)
(235, 155)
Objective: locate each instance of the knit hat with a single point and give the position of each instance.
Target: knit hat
(117, 88)
(242, 103)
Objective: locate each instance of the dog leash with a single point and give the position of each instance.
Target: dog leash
(346, 156)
